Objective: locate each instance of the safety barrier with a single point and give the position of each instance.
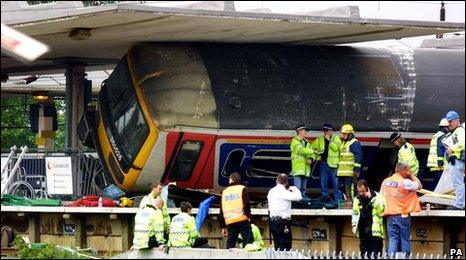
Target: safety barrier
(30, 179)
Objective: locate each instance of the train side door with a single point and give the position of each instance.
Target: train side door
(189, 159)
(379, 161)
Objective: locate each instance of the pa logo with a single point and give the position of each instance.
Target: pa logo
(456, 252)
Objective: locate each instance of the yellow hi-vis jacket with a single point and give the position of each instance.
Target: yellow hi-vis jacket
(378, 208)
(301, 151)
(258, 243)
(433, 158)
(232, 204)
(147, 223)
(347, 160)
(407, 154)
(183, 231)
(458, 142)
(333, 149)
(149, 200)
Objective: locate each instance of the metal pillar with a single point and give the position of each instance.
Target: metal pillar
(75, 77)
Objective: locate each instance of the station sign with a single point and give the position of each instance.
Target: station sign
(59, 175)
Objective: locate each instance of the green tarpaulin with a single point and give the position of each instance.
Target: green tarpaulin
(13, 200)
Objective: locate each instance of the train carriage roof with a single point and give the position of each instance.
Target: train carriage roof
(114, 28)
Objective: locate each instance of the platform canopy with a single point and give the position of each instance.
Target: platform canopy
(114, 28)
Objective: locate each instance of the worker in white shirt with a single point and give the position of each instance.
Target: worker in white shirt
(279, 199)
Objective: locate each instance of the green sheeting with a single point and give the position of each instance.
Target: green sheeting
(13, 200)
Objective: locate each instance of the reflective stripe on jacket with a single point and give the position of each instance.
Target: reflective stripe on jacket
(347, 159)
(183, 231)
(434, 157)
(148, 222)
(398, 199)
(149, 200)
(333, 149)
(458, 142)
(300, 152)
(407, 154)
(232, 204)
(378, 208)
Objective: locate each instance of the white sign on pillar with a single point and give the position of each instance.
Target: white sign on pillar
(59, 175)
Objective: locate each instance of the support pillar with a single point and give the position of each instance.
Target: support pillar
(75, 78)
(34, 228)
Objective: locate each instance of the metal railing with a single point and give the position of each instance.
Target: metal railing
(10, 174)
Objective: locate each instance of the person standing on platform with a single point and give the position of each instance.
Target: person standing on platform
(436, 161)
(235, 213)
(327, 149)
(367, 219)
(349, 165)
(406, 153)
(301, 159)
(279, 199)
(400, 195)
(455, 154)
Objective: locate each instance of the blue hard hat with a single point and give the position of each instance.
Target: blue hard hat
(451, 115)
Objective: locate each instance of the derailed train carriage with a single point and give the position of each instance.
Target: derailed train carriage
(192, 113)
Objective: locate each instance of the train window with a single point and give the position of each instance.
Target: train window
(186, 160)
(126, 120)
(234, 160)
(269, 163)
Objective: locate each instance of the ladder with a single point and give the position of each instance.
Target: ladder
(7, 175)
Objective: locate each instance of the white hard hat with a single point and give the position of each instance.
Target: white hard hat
(443, 122)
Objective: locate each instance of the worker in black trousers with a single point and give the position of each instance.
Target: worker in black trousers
(279, 199)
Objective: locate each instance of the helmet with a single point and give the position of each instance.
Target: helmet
(451, 115)
(394, 136)
(443, 122)
(327, 126)
(300, 127)
(347, 129)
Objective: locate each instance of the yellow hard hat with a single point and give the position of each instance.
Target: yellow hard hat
(347, 129)
(125, 202)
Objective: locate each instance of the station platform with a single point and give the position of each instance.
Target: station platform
(110, 230)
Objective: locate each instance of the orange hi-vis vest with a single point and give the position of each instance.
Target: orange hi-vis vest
(232, 204)
(398, 199)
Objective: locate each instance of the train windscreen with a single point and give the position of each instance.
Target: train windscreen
(128, 129)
